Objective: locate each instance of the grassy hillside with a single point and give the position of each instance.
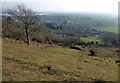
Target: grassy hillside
(42, 62)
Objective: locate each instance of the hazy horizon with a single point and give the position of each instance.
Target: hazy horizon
(64, 6)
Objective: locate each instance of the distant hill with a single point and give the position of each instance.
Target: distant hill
(96, 21)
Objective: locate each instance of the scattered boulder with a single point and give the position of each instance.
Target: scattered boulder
(76, 48)
(117, 50)
(49, 67)
(92, 52)
(117, 61)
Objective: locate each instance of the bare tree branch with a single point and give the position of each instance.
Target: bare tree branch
(25, 18)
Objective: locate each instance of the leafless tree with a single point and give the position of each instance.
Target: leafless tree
(26, 19)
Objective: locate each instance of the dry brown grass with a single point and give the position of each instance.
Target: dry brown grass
(31, 63)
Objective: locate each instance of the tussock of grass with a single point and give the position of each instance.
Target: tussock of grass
(52, 63)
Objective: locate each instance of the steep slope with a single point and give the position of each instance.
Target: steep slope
(42, 62)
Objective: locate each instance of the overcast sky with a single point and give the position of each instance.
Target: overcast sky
(97, 6)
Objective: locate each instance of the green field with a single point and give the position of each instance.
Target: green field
(110, 29)
(30, 63)
(86, 39)
(103, 23)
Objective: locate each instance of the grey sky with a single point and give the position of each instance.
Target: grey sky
(97, 6)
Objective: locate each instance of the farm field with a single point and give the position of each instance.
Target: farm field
(111, 29)
(86, 39)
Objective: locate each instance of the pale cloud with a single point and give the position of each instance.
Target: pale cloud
(70, 5)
